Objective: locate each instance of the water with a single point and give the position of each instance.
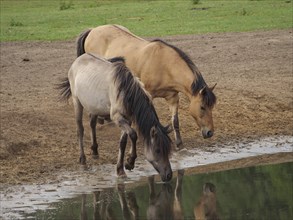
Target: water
(73, 195)
(261, 192)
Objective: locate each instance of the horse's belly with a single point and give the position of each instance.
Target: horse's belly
(99, 107)
(96, 103)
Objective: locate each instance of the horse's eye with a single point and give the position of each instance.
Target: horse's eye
(158, 151)
(202, 108)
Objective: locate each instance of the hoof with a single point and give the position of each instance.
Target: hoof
(84, 167)
(129, 165)
(121, 174)
(82, 160)
(178, 145)
(95, 156)
(94, 148)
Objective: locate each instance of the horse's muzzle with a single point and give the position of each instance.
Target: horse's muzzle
(165, 174)
(167, 177)
(207, 134)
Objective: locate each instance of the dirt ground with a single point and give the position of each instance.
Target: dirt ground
(253, 72)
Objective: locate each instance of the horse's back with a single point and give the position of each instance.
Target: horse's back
(154, 62)
(90, 67)
(114, 40)
(90, 79)
(111, 33)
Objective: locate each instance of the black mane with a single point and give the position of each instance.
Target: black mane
(139, 106)
(199, 83)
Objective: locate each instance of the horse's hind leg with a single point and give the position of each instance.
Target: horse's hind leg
(80, 130)
(93, 123)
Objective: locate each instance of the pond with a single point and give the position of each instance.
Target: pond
(205, 181)
(260, 192)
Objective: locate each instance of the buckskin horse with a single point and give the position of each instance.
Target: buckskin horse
(108, 89)
(164, 69)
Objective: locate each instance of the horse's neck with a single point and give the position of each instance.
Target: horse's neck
(179, 72)
(171, 73)
(184, 78)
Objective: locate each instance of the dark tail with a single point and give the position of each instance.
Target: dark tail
(80, 42)
(64, 88)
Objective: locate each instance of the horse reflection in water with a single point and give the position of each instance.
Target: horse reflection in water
(102, 203)
(128, 203)
(164, 205)
(206, 208)
(161, 206)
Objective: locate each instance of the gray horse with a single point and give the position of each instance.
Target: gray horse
(107, 89)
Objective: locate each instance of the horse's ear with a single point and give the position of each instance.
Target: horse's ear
(203, 90)
(153, 132)
(212, 88)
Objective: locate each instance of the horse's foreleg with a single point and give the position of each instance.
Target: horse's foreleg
(129, 165)
(93, 124)
(173, 102)
(80, 130)
(120, 162)
(125, 125)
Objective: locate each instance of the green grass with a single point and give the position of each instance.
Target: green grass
(65, 19)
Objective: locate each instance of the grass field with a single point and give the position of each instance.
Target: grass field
(65, 19)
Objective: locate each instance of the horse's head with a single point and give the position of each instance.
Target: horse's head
(158, 150)
(201, 106)
(206, 208)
